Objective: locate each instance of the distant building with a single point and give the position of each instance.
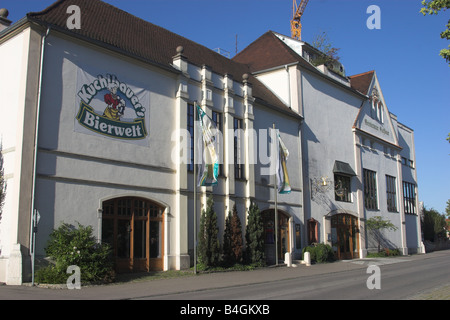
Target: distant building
(99, 131)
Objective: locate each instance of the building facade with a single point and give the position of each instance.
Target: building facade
(100, 131)
(358, 160)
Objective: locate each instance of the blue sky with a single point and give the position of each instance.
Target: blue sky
(414, 79)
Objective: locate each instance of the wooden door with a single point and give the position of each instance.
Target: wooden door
(134, 229)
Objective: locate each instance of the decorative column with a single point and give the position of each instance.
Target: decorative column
(250, 156)
(179, 258)
(228, 140)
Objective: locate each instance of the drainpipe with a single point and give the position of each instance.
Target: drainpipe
(286, 67)
(33, 192)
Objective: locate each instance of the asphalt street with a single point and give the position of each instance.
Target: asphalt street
(425, 276)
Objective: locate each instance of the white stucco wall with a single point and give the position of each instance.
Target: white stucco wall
(12, 90)
(76, 171)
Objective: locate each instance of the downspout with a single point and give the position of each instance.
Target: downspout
(33, 191)
(286, 67)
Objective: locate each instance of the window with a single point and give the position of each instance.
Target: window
(312, 231)
(391, 194)
(190, 128)
(238, 152)
(370, 189)
(342, 189)
(408, 162)
(217, 119)
(409, 197)
(376, 111)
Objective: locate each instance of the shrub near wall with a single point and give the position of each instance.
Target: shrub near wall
(319, 253)
(69, 246)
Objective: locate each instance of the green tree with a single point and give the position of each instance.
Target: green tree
(236, 236)
(329, 53)
(447, 209)
(377, 225)
(433, 224)
(433, 7)
(232, 239)
(208, 245)
(254, 237)
(226, 244)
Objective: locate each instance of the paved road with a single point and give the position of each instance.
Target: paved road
(400, 278)
(410, 277)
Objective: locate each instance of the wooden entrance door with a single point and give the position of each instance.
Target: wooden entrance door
(134, 229)
(345, 236)
(269, 235)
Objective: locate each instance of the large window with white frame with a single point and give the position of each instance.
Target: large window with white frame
(409, 197)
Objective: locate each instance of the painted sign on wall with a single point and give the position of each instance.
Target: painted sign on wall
(110, 106)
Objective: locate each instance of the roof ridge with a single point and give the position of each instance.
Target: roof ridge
(46, 10)
(120, 30)
(362, 74)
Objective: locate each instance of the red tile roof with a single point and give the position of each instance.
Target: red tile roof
(119, 30)
(268, 51)
(362, 81)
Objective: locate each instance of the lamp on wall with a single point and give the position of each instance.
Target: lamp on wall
(320, 185)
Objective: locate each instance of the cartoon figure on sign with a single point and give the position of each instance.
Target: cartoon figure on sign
(116, 104)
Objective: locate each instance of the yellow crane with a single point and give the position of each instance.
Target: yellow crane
(297, 12)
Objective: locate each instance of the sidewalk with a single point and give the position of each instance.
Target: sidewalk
(193, 283)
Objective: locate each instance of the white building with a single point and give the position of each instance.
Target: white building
(98, 132)
(358, 160)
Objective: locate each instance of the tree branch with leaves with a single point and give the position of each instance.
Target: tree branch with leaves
(433, 7)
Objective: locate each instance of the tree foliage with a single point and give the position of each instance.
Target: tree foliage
(433, 7)
(232, 240)
(254, 237)
(330, 53)
(433, 225)
(376, 225)
(447, 209)
(208, 245)
(69, 245)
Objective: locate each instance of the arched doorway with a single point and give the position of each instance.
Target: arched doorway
(134, 227)
(345, 236)
(269, 235)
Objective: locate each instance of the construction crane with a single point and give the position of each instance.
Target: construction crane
(297, 12)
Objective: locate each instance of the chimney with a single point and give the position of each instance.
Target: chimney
(4, 22)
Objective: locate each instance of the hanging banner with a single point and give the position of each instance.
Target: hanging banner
(110, 106)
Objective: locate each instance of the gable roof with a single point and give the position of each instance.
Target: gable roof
(116, 29)
(266, 52)
(362, 81)
(269, 51)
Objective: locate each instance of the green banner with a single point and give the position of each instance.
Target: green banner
(134, 130)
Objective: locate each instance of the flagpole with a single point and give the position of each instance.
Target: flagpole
(195, 189)
(276, 202)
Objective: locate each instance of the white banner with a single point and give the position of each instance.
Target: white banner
(109, 105)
